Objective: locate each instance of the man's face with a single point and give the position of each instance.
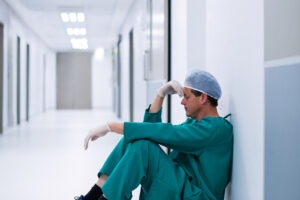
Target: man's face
(191, 103)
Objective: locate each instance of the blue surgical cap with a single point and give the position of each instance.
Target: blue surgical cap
(203, 81)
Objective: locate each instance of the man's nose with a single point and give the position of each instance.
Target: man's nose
(183, 101)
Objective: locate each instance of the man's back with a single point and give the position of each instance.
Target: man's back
(209, 167)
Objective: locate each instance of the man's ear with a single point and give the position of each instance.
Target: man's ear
(203, 98)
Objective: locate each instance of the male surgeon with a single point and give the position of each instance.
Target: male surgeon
(199, 165)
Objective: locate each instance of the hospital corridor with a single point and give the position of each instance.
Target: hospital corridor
(45, 159)
(149, 99)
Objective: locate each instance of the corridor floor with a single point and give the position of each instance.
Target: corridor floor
(45, 160)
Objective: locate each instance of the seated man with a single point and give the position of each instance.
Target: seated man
(199, 166)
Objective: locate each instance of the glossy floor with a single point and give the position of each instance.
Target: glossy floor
(45, 160)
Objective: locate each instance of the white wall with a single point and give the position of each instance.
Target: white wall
(282, 69)
(282, 29)
(4, 14)
(196, 35)
(235, 54)
(50, 81)
(13, 27)
(179, 56)
(124, 55)
(102, 87)
(133, 20)
(230, 46)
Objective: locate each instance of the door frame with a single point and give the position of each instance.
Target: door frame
(1, 75)
(18, 80)
(27, 80)
(131, 77)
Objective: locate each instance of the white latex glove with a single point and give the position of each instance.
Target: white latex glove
(171, 87)
(95, 134)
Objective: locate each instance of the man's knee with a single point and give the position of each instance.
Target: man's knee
(143, 145)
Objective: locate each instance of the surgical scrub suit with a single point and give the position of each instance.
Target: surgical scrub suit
(198, 167)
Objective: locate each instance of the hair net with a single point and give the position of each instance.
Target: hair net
(203, 81)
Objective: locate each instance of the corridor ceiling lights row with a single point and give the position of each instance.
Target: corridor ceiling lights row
(71, 20)
(79, 43)
(76, 31)
(72, 17)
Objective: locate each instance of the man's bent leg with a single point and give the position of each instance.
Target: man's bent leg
(113, 159)
(101, 180)
(143, 162)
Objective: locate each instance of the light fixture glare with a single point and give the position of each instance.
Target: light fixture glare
(73, 17)
(83, 31)
(79, 43)
(64, 17)
(80, 17)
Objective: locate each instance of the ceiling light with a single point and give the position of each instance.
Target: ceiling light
(64, 17)
(99, 54)
(80, 17)
(70, 31)
(76, 31)
(79, 43)
(83, 31)
(73, 17)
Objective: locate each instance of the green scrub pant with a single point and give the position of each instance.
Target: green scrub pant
(144, 162)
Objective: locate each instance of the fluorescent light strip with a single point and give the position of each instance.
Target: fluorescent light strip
(70, 31)
(79, 43)
(73, 17)
(83, 31)
(80, 17)
(76, 31)
(64, 17)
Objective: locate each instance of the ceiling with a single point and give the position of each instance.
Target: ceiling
(103, 20)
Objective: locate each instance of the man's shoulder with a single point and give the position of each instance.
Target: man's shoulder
(218, 123)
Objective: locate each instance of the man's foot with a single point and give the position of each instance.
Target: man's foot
(102, 198)
(79, 198)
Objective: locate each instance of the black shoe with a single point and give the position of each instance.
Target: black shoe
(79, 198)
(102, 198)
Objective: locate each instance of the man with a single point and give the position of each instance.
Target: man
(199, 166)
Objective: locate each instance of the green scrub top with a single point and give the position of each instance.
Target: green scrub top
(202, 148)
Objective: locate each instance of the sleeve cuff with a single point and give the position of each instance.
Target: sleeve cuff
(152, 117)
(128, 126)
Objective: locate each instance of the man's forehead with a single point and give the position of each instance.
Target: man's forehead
(186, 90)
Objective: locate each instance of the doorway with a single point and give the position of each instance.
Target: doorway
(27, 80)
(74, 81)
(119, 114)
(131, 81)
(1, 77)
(18, 80)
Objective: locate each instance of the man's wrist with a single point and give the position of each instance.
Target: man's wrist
(108, 126)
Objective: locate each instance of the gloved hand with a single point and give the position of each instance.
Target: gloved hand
(171, 87)
(95, 134)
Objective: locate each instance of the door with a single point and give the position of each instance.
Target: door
(119, 114)
(168, 52)
(1, 77)
(27, 80)
(18, 80)
(74, 81)
(157, 66)
(131, 76)
(117, 79)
